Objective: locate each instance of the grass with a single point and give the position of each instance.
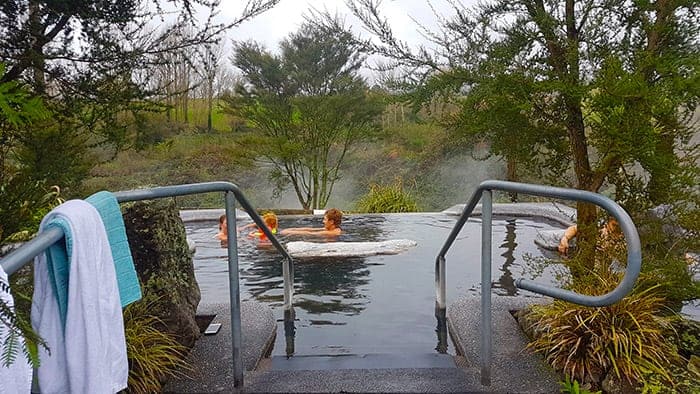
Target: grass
(387, 198)
(153, 355)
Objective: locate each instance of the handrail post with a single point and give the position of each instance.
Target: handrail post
(440, 285)
(486, 214)
(17, 258)
(632, 269)
(234, 291)
(288, 274)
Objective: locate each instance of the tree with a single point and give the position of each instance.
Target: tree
(308, 106)
(21, 207)
(91, 61)
(616, 81)
(212, 77)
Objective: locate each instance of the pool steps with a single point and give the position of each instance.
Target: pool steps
(515, 370)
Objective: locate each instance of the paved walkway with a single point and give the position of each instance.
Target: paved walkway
(514, 370)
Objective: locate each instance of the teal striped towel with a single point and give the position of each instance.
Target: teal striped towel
(127, 280)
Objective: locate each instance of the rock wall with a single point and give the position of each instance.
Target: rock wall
(164, 265)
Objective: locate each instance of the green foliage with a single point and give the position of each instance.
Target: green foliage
(499, 115)
(17, 325)
(17, 106)
(628, 339)
(685, 381)
(550, 86)
(22, 208)
(184, 158)
(308, 107)
(387, 199)
(666, 232)
(573, 387)
(413, 140)
(153, 354)
(53, 153)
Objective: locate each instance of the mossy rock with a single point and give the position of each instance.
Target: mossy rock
(164, 265)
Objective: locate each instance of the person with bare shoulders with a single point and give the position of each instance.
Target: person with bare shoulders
(331, 226)
(271, 222)
(223, 231)
(610, 233)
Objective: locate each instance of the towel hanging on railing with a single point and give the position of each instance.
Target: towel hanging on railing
(87, 344)
(127, 280)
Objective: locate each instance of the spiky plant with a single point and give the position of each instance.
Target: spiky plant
(154, 355)
(627, 338)
(389, 198)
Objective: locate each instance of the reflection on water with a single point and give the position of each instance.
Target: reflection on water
(505, 281)
(377, 304)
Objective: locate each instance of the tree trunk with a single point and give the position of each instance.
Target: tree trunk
(512, 176)
(37, 53)
(210, 105)
(585, 212)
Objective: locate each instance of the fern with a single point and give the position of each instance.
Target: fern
(17, 326)
(10, 346)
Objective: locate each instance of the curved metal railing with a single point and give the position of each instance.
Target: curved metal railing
(484, 193)
(24, 254)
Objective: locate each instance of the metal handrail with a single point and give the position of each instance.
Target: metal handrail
(24, 254)
(484, 192)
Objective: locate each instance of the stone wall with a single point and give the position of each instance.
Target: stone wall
(164, 265)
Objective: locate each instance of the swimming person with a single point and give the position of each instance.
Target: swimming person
(223, 231)
(609, 233)
(331, 226)
(270, 220)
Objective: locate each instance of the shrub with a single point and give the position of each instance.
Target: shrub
(22, 207)
(628, 339)
(573, 387)
(153, 355)
(390, 198)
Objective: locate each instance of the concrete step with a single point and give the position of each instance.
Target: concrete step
(383, 380)
(357, 361)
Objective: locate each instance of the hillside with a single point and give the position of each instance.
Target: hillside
(406, 152)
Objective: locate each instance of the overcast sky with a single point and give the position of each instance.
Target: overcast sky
(288, 15)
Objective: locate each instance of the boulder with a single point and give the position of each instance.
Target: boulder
(164, 265)
(614, 384)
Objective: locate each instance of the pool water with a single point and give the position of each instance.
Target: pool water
(378, 304)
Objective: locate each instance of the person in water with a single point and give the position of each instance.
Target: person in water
(331, 226)
(270, 220)
(610, 233)
(223, 231)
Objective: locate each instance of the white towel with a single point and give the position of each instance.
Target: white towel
(17, 378)
(88, 355)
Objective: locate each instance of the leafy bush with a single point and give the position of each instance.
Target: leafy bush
(574, 387)
(17, 325)
(153, 354)
(628, 338)
(390, 198)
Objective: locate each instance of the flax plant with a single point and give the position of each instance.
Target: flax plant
(387, 199)
(627, 338)
(154, 355)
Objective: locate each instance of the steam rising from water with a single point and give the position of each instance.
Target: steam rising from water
(437, 186)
